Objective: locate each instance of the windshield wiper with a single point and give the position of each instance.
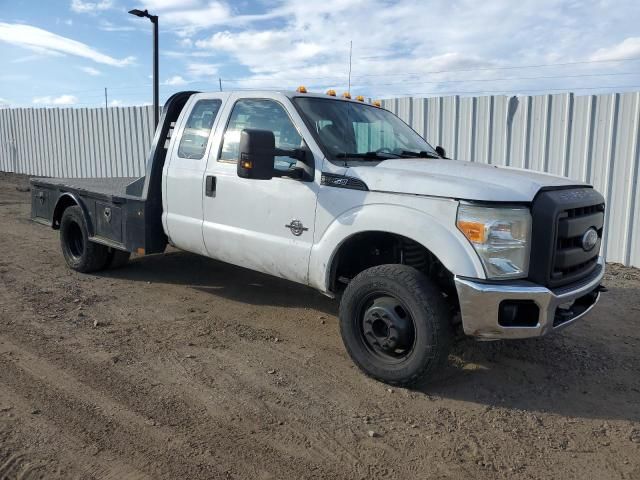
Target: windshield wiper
(420, 154)
(368, 155)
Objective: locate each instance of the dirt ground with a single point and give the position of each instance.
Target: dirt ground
(181, 367)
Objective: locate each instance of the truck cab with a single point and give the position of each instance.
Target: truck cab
(343, 196)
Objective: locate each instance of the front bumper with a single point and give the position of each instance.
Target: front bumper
(484, 307)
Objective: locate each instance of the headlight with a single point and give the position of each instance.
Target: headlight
(501, 237)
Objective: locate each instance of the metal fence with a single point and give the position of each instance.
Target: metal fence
(75, 142)
(592, 138)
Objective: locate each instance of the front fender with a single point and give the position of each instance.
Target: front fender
(425, 226)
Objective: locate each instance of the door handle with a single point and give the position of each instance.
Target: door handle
(210, 186)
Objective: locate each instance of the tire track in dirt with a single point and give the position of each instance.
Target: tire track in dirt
(77, 408)
(312, 387)
(41, 440)
(94, 386)
(93, 374)
(267, 398)
(252, 386)
(18, 466)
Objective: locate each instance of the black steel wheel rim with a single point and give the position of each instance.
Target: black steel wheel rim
(385, 327)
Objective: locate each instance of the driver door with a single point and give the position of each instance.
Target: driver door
(264, 225)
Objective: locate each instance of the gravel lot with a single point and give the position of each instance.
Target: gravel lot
(178, 366)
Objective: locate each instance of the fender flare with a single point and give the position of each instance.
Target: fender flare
(445, 242)
(62, 204)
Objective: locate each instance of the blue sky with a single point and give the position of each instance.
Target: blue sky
(64, 52)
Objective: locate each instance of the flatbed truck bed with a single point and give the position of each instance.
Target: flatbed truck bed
(103, 187)
(122, 213)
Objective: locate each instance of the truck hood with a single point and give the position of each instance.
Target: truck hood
(456, 179)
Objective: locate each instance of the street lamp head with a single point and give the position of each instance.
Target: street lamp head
(139, 13)
(143, 14)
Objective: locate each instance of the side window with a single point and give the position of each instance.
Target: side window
(196, 132)
(264, 115)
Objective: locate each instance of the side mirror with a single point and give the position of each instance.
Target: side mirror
(441, 151)
(256, 155)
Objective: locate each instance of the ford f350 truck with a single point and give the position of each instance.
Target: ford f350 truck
(343, 196)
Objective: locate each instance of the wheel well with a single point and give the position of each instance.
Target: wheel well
(63, 203)
(368, 249)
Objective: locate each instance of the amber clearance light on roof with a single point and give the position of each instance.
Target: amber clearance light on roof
(301, 89)
(331, 92)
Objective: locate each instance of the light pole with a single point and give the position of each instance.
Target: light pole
(154, 20)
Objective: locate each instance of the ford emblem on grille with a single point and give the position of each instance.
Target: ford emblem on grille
(589, 239)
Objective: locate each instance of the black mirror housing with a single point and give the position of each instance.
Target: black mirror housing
(441, 151)
(256, 154)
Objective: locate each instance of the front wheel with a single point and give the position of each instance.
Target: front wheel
(395, 324)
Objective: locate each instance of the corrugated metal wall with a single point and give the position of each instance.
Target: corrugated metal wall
(592, 138)
(76, 142)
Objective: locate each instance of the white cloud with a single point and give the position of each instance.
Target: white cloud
(184, 54)
(27, 58)
(186, 17)
(94, 72)
(202, 69)
(313, 44)
(107, 26)
(399, 46)
(43, 41)
(169, 4)
(116, 102)
(79, 6)
(405, 46)
(253, 47)
(61, 100)
(176, 80)
(629, 48)
(214, 13)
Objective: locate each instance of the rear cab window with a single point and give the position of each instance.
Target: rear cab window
(195, 135)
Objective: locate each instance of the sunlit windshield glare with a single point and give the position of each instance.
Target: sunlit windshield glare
(347, 129)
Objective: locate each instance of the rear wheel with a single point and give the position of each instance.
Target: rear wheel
(395, 324)
(79, 252)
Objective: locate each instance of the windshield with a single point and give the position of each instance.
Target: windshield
(348, 130)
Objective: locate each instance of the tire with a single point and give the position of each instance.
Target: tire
(395, 324)
(117, 258)
(80, 254)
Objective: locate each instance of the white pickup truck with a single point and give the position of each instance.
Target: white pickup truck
(343, 196)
